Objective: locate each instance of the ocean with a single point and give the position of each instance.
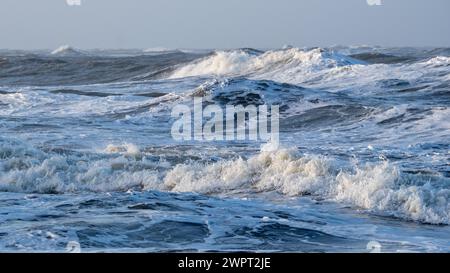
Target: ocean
(88, 162)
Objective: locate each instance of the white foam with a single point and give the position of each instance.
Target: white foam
(379, 187)
(26, 169)
(437, 61)
(239, 62)
(66, 50)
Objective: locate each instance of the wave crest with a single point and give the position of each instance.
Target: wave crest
(241, 62)
(381, 188)
(377, 187)
(66, 51)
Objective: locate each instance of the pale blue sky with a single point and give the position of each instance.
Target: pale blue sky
(46, 24)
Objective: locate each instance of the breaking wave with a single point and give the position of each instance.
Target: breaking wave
(243, 62)
(67, 51)
(378, 187)
(318, 68)
(24, 168)
(381, 188)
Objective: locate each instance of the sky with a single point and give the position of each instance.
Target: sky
(48, 24)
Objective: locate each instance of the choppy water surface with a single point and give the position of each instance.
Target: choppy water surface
(87, 156)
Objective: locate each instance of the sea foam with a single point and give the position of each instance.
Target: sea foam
(240, 62)
(379, 187)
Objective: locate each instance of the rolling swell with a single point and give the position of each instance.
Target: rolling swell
(67, 69)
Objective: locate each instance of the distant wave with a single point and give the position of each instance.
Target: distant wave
(67, 51)
(68, 66)
(157, 49)
(243, 62)
(322, 68)
(316, 68)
